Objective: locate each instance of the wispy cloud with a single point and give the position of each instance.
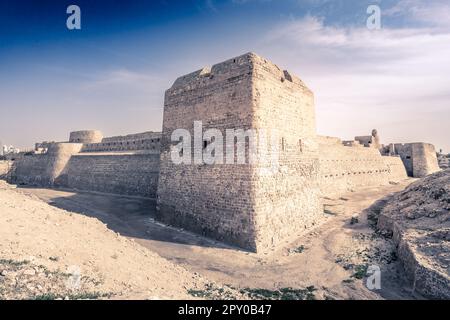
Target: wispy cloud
(433, 13)
(123, 77)
(209, 5)
(392, 79)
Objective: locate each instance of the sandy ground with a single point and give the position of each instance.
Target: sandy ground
(330, 261)
(49, 253)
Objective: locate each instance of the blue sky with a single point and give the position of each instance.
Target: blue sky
(111, 74)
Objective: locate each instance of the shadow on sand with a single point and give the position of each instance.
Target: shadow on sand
(132, 217)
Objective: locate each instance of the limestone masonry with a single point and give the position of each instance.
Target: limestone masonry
(238, 204)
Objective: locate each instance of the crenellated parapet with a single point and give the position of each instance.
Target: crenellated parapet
(147, 141)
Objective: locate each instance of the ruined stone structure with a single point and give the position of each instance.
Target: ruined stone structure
(370, 141)
(5, 169)
(345, 166)
(42, 147)
(418, 158)
(86, 136)
(240, 203)
(148, 141)
(124, 165)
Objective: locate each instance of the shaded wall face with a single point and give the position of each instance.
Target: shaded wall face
(122, 174)
(63, 166)
(364, 140)
(405, 153)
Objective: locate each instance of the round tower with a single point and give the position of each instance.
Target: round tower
(86, 136)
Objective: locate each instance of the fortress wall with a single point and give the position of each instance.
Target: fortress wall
(424, 159)
(129, 174)
(365, 141)
(64, 166)
(405, 153)
(396, 167)
(141, 141)
(327, 140)
(59, 155)
(418, 158)
(212, 200)
(44, 169)
(5, 168)
(344, 168)
(149, 145)
(134, 137)
(31, 170)
(287, 200)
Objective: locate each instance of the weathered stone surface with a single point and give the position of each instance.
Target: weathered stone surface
(86, 136)
(5, 168)
(348, 167)
(418, 158)
(133, 169)
(149, 141)
(419, 220)
(132, 174)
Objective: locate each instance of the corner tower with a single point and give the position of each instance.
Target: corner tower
(242, 204)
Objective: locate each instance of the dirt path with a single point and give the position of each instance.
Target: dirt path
(330, 259)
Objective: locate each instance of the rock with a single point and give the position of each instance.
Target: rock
(31, 287)
(418, 219)
(10, 274)
(414, 214)
(443, 234)
(29, 272)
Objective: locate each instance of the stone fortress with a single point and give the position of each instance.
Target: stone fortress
(234, 203)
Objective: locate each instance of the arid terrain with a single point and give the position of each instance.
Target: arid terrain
(51, 238)
(49, 253)
(419, 220)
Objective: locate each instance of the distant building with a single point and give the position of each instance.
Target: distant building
(9, 149)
